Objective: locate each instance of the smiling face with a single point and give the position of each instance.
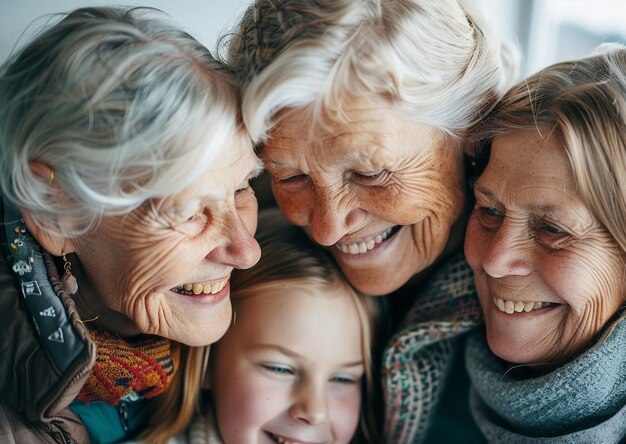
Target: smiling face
(549, 275)
(165, 266)
(289, 369)
(380, 193)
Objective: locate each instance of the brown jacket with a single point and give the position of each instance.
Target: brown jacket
(34, 392)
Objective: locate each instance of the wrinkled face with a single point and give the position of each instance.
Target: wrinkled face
(166, 266)
(289, 369)
(380, 193)
(548, 274)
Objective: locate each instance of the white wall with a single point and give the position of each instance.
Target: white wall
(204, 19)
(545, 30)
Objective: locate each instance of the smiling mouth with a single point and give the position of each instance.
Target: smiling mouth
(370, 244)
(200, 288)
(511, 307)
(281, 440)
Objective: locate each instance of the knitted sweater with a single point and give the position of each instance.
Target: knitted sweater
(583, 401)
(419, 356)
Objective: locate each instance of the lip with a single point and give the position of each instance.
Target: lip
(523, 314)
(379, 248)
(205, 299)
(289, 440)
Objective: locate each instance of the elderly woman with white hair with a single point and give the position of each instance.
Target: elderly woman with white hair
(362, 108)
(125, 206)
(547, 243)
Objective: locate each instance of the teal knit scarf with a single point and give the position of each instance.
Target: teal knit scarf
(581, 401)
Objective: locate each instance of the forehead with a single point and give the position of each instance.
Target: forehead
(231, 167)
(370, 130)
(527, 171)
(306, 320)
(525, 157)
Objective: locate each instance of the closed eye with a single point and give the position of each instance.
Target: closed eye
(292, 183)
(377, 178)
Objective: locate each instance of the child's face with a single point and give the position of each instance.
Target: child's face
(289, 369)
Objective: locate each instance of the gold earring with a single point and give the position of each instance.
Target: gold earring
(68, 279)
(51, 177)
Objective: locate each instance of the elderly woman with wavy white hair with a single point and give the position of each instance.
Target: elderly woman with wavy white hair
(547, 243)
(124, 172)
(362, 109)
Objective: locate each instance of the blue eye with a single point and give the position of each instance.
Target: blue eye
(343, 380)
(278, 369)
(552, 229)
(491, 212)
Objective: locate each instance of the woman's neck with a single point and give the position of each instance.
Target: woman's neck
(91, 308)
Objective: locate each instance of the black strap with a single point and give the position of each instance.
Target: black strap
(46, 309)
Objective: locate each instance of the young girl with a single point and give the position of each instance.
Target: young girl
(296, 363)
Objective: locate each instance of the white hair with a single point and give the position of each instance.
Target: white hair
(431, 59)
(121, 104)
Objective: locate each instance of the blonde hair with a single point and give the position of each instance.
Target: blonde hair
(583, 104)
(438, 64)
(176, 407)
(290, 259)
(121, 104)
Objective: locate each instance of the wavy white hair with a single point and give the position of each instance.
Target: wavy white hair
(121, 104)
(437, 63)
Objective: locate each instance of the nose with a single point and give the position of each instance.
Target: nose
(241, 250)
(333, 216)
(510, 251)
(310, 406)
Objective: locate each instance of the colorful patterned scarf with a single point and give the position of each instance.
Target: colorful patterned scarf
(143, 365)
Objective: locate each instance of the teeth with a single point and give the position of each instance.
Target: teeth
(511, 307)
(364, 247)
(198, 288)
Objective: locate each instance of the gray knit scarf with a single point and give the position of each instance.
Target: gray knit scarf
(583, 401)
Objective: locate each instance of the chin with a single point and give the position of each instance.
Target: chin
(199, 332)
(372, 283)
(511, 350)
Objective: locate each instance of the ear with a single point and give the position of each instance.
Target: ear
(52, 243)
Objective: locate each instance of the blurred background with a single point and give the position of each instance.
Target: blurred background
(545, 31)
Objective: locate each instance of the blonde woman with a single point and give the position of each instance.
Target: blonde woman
(547, 243)
(362, 108)
(125, 207)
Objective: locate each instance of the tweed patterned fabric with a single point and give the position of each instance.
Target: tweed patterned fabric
(417, 358)
(144, 365)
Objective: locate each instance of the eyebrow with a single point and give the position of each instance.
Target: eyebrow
(486, 193)
(295, 355)
(278, 163)
(256, 170)
(535, 208)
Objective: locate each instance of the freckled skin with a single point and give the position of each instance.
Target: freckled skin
(516, 255)
(420, 189)
(129, 263)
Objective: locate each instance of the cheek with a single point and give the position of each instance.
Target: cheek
(241, 400)
(476, 241)
(586, 280)
(249, 215)
(294, 205)
(345, 415)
